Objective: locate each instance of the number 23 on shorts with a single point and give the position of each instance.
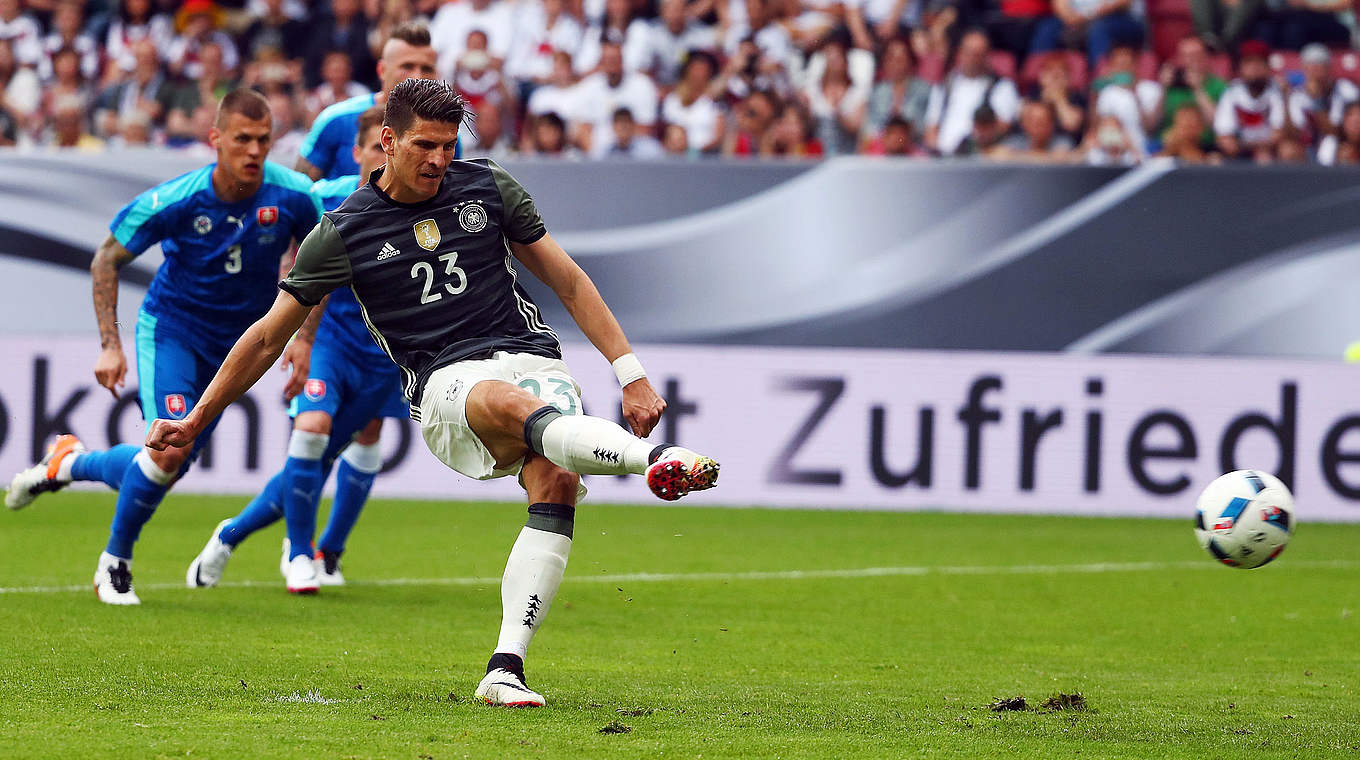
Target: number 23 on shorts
(562, 395)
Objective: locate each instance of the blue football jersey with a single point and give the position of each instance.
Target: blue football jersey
(329, 145)
(343, 323)
(221, 259)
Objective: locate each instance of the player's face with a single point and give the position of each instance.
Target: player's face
(418, 158)
(402, 61)
(242, 146)
(368, 152)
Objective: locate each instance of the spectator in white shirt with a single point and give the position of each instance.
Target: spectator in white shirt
(659, 47)
(838, 104)
(953, 104)
(874, 22)
(544, 29)
(1343, 147)
(20, 92)
(23, 33)
(135, 22)
(1251, 111)
(455, 19)
(691, 107)
(558, 94)
(602, 93)
(1135, 102)
(617, 26)
(1316, 107)
(67, 21)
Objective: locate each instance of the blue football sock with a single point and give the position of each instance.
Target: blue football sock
(303, 491)
(107, 466)
(137, 502)
(351, 492)
(264, 510)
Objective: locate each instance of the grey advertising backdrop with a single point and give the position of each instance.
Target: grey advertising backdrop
(964, 263)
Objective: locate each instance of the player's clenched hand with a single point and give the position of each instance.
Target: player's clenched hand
(165, 434)
(110, 369)
(297, 356)
(642, 407)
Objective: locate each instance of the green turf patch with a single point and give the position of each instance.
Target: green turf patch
(722, 633)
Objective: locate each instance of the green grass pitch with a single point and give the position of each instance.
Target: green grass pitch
(703, 632)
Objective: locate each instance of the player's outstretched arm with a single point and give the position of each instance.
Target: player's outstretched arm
(642, 407)
(254, 352)
(110, 369)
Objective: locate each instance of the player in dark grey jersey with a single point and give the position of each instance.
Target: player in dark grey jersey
(427, 247)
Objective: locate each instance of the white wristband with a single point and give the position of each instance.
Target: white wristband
(627, 368)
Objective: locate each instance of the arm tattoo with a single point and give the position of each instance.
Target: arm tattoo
(104, 270)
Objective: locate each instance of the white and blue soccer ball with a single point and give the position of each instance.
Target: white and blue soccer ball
(1245, 518)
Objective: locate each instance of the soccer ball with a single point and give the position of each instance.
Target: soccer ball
(1245, 518)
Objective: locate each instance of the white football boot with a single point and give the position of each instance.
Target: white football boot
(679, 471)
(328, 569)
(45, 476)
(206, 569)
(113, 581)
(301, 576)
(502, 688)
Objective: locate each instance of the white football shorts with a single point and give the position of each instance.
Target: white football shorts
(443, 405)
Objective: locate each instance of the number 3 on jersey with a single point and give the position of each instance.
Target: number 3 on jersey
(423, 269)
(233, 264)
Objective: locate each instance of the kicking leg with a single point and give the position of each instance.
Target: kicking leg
(511, 422)
(532, 575)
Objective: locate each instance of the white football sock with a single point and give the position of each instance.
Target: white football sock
(594, 446)
(532, 575)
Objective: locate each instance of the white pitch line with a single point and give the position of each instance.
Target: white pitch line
(754, 575)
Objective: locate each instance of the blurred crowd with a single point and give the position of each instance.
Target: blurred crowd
(1108, 82)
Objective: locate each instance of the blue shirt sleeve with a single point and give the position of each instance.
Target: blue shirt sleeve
(143, 222)
(320, 144)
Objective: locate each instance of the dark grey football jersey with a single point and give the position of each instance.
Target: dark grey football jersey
(435, 280)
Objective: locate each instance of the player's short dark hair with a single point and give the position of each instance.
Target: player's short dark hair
(413, 33)
(369, 119)
(428, 99)
(244, 101)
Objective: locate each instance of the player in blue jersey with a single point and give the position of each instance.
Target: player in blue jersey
(327, 151)
(224, 230)
(351, 384)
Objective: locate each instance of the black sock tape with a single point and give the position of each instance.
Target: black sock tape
(553, 518)
(534, 425)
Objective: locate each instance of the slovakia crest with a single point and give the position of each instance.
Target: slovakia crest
(472, 218)
(427, 234)
(267, 215)
(176, 406)
(315, 389)
(202, 224)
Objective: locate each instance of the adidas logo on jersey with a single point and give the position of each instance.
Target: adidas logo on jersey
(388, 251)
